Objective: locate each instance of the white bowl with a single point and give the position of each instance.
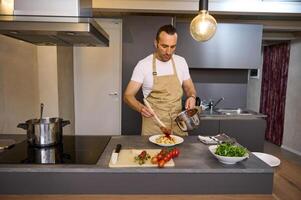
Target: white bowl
(225, 159)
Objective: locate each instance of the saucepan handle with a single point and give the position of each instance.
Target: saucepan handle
(23, 125)
(197, 101)
(182, 126)
(65, 122)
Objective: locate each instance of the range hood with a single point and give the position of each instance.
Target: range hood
(55, 22)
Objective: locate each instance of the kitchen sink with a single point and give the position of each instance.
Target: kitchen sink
(237, 111)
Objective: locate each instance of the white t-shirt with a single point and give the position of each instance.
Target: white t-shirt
(143, 72)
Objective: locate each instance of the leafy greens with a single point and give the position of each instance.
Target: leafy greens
(229, 150)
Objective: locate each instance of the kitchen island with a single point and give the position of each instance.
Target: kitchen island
(196, 171)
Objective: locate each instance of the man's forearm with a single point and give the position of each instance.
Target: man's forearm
(133, 102)
(189, 88)
(190, 92)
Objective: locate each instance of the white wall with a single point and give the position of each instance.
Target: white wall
(66, 87)
(56, 88)
(292, 120)
(30, 75)
(19, 92)
(48, 80)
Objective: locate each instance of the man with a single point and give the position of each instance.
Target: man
(163, 76)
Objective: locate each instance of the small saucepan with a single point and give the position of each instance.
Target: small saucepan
(188, 120)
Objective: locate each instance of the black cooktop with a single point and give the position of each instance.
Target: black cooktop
(73, 150)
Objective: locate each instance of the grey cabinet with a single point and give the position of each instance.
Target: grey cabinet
(234, 46)
(207, 127)
(249, 133)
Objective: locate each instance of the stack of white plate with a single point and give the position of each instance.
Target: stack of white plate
(268, 159)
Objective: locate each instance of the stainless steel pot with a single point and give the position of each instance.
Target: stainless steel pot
(188, 120)
(45, 131)
(45, 155)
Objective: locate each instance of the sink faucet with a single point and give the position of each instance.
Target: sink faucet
(218, 101)
(212, 105)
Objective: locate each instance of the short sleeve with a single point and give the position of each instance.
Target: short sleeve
(185, 68)
(138, 74)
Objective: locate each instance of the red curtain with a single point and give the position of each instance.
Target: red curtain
(273, 89)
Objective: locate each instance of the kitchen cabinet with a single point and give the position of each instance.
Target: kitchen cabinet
(234, 46)
(248, 132)
(207, 127)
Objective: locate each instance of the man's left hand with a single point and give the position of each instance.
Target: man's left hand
(190, 103)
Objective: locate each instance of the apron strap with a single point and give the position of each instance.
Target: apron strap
(155, 67)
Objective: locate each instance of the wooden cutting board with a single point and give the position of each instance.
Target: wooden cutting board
(126, 158)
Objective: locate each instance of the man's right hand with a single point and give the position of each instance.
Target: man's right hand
(146, 112)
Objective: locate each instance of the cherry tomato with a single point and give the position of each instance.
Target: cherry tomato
(173, 153)
(154, 160)
(160, 156)
(177, 152)
(170, 155)
(161, 163)
(167, 158)
(164, 151)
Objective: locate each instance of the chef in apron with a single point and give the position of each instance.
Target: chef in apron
(163, 77)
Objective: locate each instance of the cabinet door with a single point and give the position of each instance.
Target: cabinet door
(207, 127)
(236, 46)
(249, 133)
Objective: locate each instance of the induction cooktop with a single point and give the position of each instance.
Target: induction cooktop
(73, 150)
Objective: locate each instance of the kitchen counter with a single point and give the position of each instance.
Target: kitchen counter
(196, 171)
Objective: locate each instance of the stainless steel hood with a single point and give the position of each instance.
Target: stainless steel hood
(42, 23)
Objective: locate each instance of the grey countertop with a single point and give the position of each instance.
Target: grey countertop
(196, 171)
(195, 158)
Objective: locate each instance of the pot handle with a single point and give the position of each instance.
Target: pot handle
(66, 122)
(197, 101)
(23, 125)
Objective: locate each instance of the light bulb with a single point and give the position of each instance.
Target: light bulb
(203, 26)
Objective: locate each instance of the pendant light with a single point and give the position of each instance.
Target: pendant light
(203, 26)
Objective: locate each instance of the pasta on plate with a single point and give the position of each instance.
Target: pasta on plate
(165, 140)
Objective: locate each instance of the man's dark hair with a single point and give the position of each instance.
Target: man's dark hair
(169, 29)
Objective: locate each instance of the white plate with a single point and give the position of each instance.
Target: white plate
(268, 159)
(178, 140)
(225, 159)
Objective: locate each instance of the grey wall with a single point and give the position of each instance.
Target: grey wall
(19, 92)
(234, 46)
(138, 35)
(292, 125)
(212, 84)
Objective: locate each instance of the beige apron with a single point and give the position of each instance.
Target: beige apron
(166, 101)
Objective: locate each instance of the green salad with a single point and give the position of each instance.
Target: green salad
(229, 150)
